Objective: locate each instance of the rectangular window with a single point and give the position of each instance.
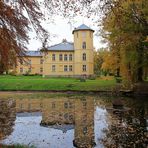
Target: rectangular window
(21, 70)
(41, 61)
(65, 68)
(29, 62)
(53, 57)
(70, 57)
(29, 70)
(70, 67)
(60, 57)
(84, 68)
(53, 68)
(41, 69)
(65, 57)
(84, 45)
(53, 105)
(84, 57)
(21, 61)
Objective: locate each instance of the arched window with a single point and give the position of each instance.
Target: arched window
(84, 68)
(65, 57)
(84, 45)
(60, 57)
(84, 57)
(70, 57)
(53, 57)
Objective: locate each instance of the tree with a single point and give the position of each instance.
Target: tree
(125, 26)
(14, 26)
(98, 61)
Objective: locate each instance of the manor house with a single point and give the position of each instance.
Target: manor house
(63, 59)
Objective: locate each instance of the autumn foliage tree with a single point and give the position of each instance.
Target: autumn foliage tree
(14, 26)
(125, 27)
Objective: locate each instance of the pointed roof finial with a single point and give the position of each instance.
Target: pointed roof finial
(64, 40)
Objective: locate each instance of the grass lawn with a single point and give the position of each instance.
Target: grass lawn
(8, 82)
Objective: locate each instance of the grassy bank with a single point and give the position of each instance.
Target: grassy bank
(38, 83)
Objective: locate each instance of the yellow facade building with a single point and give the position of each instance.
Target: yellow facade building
(64, 59)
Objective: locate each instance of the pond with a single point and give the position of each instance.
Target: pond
(75, 121)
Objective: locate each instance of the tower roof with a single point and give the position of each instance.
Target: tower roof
(82, 27)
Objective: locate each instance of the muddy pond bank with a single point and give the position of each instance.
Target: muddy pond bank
(130, 93)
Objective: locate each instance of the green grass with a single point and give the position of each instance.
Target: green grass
(8, 82)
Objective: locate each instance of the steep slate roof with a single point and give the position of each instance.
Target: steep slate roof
(64, 46)
(82, 27)
(33, 53)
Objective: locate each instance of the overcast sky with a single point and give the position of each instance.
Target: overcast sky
(61, 29)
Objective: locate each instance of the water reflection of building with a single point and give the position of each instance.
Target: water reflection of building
(84, 123)
(7, 117)
(28, 105)
(58, 111)
(78, 112)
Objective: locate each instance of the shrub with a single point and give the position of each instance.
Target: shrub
(12, 73)
(82, 80)
(118, 79)
(92, 77)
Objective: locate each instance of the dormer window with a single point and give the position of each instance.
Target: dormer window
(84, 45)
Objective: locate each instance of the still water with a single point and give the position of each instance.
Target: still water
(68, 122)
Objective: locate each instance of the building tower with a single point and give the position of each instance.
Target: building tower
(83, 47)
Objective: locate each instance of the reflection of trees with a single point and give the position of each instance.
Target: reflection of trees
(7, 117)
(127, 129)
